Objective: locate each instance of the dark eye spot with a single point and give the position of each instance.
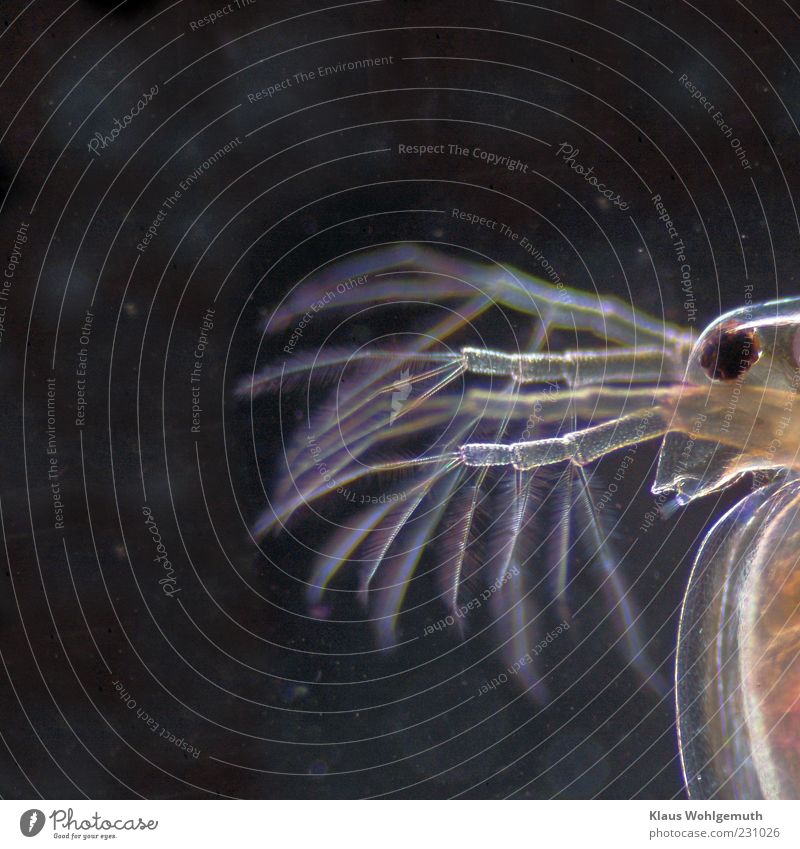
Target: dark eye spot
(730, 352)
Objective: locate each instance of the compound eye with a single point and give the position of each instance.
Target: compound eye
(730, 352)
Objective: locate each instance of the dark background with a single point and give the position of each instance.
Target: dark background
(279, 704)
